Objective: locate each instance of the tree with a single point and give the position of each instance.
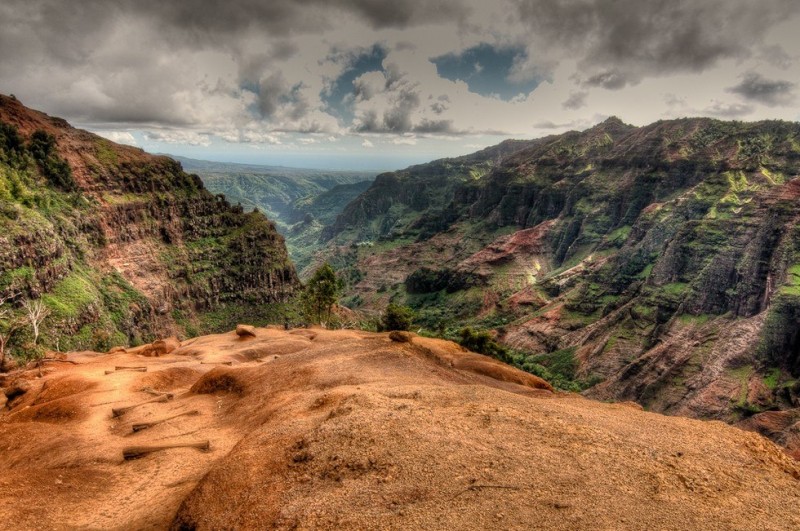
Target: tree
(37, 313)
(8, 326)
(397, 317)
(321, 293)
(484, 343)
(55, 169)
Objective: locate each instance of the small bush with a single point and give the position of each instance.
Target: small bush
(101, 340)
(397, 317)
(53, 167)
(484, 343)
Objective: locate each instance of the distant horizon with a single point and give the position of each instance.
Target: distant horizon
(270, 164)
(255, 160)
(299, 161)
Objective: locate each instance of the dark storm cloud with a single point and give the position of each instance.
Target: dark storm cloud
(252, 67)
(435, 127)
(203, 18)
(274, 94)
(271, 90)
(754, 87)
(621, 41)
(547, 124)
(69, 29)
(575, 101)
(610, 79)
(397, 119)
(62, 35)
(438, 107)
(727, 111)
(262, 66)
(398, 14)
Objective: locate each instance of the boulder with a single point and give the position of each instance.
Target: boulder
(117, 350)
(245, 331)
(9, 365)
(401, 337)
(162, 347)
(17, 388)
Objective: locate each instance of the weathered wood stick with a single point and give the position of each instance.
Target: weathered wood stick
(118, 412)
(229, 363)
(151, 391)
(50, 360)
(144, 425)
(134, 452)
(129, 369)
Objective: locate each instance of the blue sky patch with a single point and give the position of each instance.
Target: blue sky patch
(370, 61)
(485, 70)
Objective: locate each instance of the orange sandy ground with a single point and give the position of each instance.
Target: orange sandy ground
(315, 429)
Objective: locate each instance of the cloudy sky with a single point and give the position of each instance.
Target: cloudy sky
(380, 84)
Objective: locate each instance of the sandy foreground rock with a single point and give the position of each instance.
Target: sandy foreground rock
(315, 429)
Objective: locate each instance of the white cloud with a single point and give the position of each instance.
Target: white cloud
(405, 140)
(120, 137)
(189, 138)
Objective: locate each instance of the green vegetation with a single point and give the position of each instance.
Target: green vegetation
(70, 297)
(771, 379)
(483, 343)
(105, 153)
(676, 288)
(742, 375)
(53, 167)
(792, 285)
(559, 368)
(301, 202)
(320, 294)
(396, 317)
(697, 320)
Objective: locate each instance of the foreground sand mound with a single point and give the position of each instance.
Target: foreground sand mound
(220, 380)
(351, 430)
(169, 379)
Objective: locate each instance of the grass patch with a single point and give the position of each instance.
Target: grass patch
(771, 379)
(105, 153)
(645, 273)
(619, 236)
(561, 362)
(71, 296)
(742, 375)
(675, 288)
(697, 320)
(792, 286)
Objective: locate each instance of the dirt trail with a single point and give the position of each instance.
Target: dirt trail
(315, 429)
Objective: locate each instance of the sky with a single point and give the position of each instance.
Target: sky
(381, 84)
